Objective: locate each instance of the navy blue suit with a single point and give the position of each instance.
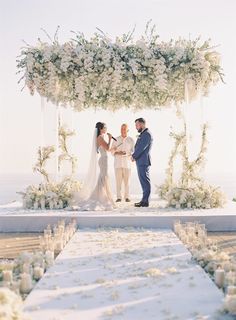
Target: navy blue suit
(143, 161)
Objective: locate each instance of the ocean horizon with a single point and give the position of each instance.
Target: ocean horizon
(10, 184)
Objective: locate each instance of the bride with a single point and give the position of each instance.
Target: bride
(98, 197)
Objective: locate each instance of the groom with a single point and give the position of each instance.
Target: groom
(142, 157)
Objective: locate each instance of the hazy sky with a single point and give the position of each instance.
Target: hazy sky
(20, 112)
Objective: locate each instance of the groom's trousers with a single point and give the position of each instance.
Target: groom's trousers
(144, 178)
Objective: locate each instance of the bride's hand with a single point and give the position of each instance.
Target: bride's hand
(109, 136)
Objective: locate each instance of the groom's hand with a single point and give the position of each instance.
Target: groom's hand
(132, 159)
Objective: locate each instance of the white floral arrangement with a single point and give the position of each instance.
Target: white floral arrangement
(11, 306)
(190, 191)
(100, 72)
(220, 266)
(51, 195)
(202, 195)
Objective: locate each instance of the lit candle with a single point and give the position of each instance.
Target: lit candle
(26, 268)
(36, 205)
(24, 204)
(61, 228)
(51, 246)
(38, 273)
(51, 204)
(15, 285)
(230, 278)
(25, 283)
(60, 204)
(7, 275)
(42, 203)
(49, 255)
(55, 204)
(59, 246)
(219, 277)
(231, 290)
(189, 205)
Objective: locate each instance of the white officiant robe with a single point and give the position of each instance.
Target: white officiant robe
(122, 163)
(124, 144)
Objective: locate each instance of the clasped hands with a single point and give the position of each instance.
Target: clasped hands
(121, 153)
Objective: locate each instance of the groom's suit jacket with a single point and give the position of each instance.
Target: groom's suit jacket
(142, 148)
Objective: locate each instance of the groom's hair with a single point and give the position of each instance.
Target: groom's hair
(142, 120)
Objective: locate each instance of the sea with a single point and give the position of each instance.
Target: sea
(11, 184)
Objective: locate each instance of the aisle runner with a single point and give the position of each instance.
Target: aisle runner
(124, 274)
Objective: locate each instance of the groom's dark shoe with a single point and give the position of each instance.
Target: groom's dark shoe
(141, 204)
(145, 204)
(118, 200)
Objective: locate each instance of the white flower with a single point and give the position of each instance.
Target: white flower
(127, 70)
(11, 305)
(230, 304)
(153, 272)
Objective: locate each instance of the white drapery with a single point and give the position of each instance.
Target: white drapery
(190, 94)
(42, 129)
(42, 134)
(58, 119)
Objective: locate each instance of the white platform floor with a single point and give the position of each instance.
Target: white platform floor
(15, 219)
(124, 274)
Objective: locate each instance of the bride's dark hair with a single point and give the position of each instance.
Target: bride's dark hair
(99, 126)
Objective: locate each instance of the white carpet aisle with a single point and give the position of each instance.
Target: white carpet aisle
(124, 274)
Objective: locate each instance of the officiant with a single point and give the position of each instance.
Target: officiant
(122, 149)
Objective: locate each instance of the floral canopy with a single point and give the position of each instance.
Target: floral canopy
(102, 73)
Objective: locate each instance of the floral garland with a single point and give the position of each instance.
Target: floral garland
(110, 74)
(191, 169)
(44, 154)
(64, 134)
(219, 265)
(190, 191)
(169, 183)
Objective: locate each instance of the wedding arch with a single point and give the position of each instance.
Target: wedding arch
(146, 73)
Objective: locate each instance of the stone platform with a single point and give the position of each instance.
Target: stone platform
(15, 219)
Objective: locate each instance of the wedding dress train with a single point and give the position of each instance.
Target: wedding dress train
(91, 198)
(101, 197)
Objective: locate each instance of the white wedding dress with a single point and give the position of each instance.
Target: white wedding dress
(96, 196)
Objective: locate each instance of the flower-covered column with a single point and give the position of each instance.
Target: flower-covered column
(42, 138)
(190, 92)
(57, 143)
